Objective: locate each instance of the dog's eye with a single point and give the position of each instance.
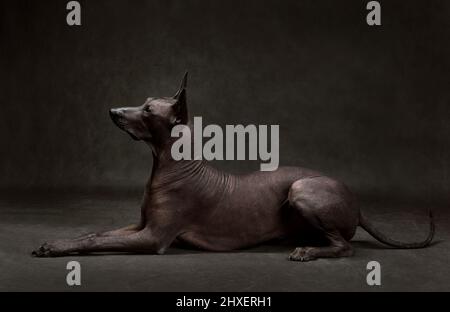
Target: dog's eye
(148, 109)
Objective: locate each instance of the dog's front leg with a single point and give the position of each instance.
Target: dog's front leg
(138, 242)
(130, 229)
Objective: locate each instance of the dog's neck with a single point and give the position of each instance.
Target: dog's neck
(168, 173)
(163, 162)
(165, 169)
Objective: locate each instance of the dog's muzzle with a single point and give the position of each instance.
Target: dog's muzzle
(118, 118)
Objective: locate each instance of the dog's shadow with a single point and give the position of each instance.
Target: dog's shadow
(283, 248)
(264, 248)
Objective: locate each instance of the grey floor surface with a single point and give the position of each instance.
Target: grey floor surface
(28, 220)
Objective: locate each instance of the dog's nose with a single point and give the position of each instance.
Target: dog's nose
(113, 112)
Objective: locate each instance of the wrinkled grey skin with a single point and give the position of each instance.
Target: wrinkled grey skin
(199, 206)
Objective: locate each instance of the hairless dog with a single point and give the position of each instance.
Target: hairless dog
(190, 202)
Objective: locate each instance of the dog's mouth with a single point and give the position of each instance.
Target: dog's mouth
(123, 125)
(132, 135)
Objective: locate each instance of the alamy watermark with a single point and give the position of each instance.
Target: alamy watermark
(236, 137)
(73, 278)
(373, 278)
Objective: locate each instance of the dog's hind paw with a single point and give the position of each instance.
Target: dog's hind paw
(302, 254)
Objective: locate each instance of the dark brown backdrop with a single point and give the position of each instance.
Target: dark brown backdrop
(369, 105)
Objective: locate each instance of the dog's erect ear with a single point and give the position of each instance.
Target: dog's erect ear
(183, 86)
(180, 106)
(180, 109)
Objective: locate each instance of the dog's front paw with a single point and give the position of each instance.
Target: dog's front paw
(302, 254)
(48, 250)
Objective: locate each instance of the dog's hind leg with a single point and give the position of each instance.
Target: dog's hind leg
(327, 206)
(139, 242)
(338, 247)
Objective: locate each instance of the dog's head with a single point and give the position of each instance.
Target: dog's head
(153, 121)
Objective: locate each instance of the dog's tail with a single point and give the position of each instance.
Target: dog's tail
(366, 225)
